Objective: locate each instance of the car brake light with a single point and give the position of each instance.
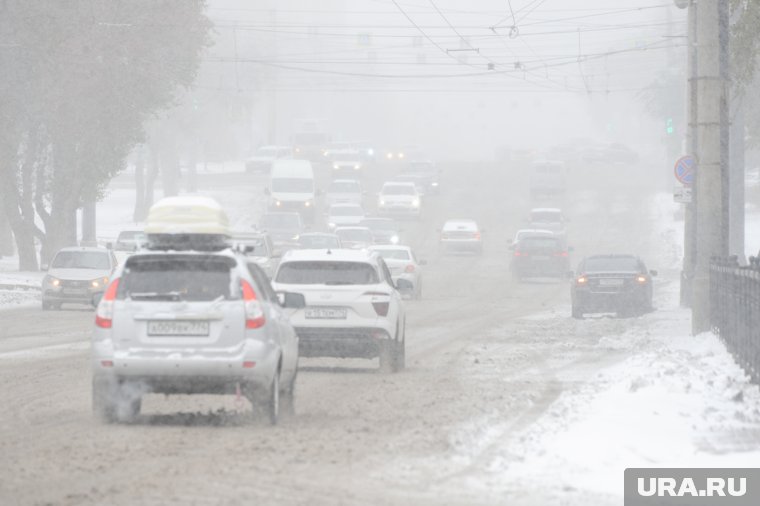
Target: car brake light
(561, 254)
(476, 235)
(104, 312)
(520, 254)
(254, 313)
(409, 268)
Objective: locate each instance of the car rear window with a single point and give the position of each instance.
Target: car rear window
(177, 278)
(81, 260)
(327, 273)
(611, 264)
(398, 189)
(536, 244)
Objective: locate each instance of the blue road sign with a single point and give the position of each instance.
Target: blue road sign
(686, 169)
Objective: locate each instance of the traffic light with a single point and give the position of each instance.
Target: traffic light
(669, 126)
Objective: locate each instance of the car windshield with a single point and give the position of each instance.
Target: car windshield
(131, 236)
(398, 189)
(546, 217)
(318, 241)
(539, 244)
(354, 235)
(346, 211)
(344, 187)
(292, 185)
(612, 264)
(81, 260)
(389, 225)
(281, 221)
(176, 278)
(327, 273)
(393, 254)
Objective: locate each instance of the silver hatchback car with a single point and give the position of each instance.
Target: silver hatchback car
(192, 322)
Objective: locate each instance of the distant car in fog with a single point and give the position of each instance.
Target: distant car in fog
(619, 284)
(259, 249)
(262, 159)
(348, 163)
(340, 215)
(283, 228)
(530, 232)
(403, 264)
(548, 218)
(426, 173)
(319, 240)
(291, 187)
(129, 240)
(384, 230)
(461, 235)
(399, 199)
(76, 275)
(547, 179)
(540, 255)
(355, 237)
(344, 191)
(404, 153)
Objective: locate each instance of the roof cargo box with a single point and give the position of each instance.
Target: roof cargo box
(187, 222)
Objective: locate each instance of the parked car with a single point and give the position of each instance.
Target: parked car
(319, 240)
(259, 248)
(399, 199)
(461, 235)
(384, 230)
(341, 215)
(176, 321)
(403, 264)
(540, 255)
(344, 191)
(355, 237)
(77, 275)
(129, 240)
(548, 218)
(612, 283)
(283, 228)
(353, 308)
(265, 156)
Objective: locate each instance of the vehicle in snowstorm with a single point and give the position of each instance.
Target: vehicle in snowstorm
(347, 162)
(259, 248)
(404, 153)
(341, 215)
(319, 240)
(461, 235)
(283, 228)
(186, 316)
(548, 218)
(619, 284)
(366, 150)
(417, 180)
(403, 264)
(311, 139)
(291, 187)
(77, 275)
(265, 156)
(547, 179)
(399, 199)
(353, 308)
(344, 191)
(540, 254)
(527, 232)
(425, 173)
(355, 237)
(384, 230)
(129, 240)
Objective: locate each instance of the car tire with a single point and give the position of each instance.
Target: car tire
(104, 399)
(272, 403)
(388, 352)
(400, 352)
(288, 399)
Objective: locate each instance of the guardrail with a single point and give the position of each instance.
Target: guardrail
(735, 310)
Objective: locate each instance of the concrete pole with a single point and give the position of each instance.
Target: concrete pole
(690, 222)
(711, 238)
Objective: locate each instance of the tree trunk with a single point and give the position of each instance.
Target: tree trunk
(6, 236)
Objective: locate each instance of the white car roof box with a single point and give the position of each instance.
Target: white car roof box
(187, 223)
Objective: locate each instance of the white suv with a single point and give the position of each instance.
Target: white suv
(353, 308)
(399, 198)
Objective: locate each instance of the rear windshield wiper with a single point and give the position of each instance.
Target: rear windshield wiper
(172, 296)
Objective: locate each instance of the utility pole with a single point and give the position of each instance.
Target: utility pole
(712, 154)
(690, 222)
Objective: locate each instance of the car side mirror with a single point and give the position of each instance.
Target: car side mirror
(404, 285)
(653, 273)
(291, 300)
(96, 298)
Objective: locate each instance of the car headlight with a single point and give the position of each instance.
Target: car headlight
(357, 167)
(435, 183)
(371, 152)
(416, 203)
(278, 203)
(401, 155)
(331, 225)
(100, 282)
(389, 156)
(296, 237)
(336, 166)
(394, 239)
(52, 281)
(382, 202)
(307, 203)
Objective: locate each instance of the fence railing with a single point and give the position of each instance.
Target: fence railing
(735, 311)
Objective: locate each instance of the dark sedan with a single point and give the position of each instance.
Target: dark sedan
(618, 284)
(540, 254)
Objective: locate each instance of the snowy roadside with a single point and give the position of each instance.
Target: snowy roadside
(18, 288)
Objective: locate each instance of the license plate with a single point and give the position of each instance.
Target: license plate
(610, 282)
(326, 313)
(75, 291)
(178, 328)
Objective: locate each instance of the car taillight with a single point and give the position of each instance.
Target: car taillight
(254, 313)
(520, 254)
(104, 312)
(381, 308)
(476, 235)
(561, 254)
(409, 268)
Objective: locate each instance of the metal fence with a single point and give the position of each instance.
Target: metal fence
(735, 310)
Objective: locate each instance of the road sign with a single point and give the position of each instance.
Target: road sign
(685, 170)
(682, 194)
